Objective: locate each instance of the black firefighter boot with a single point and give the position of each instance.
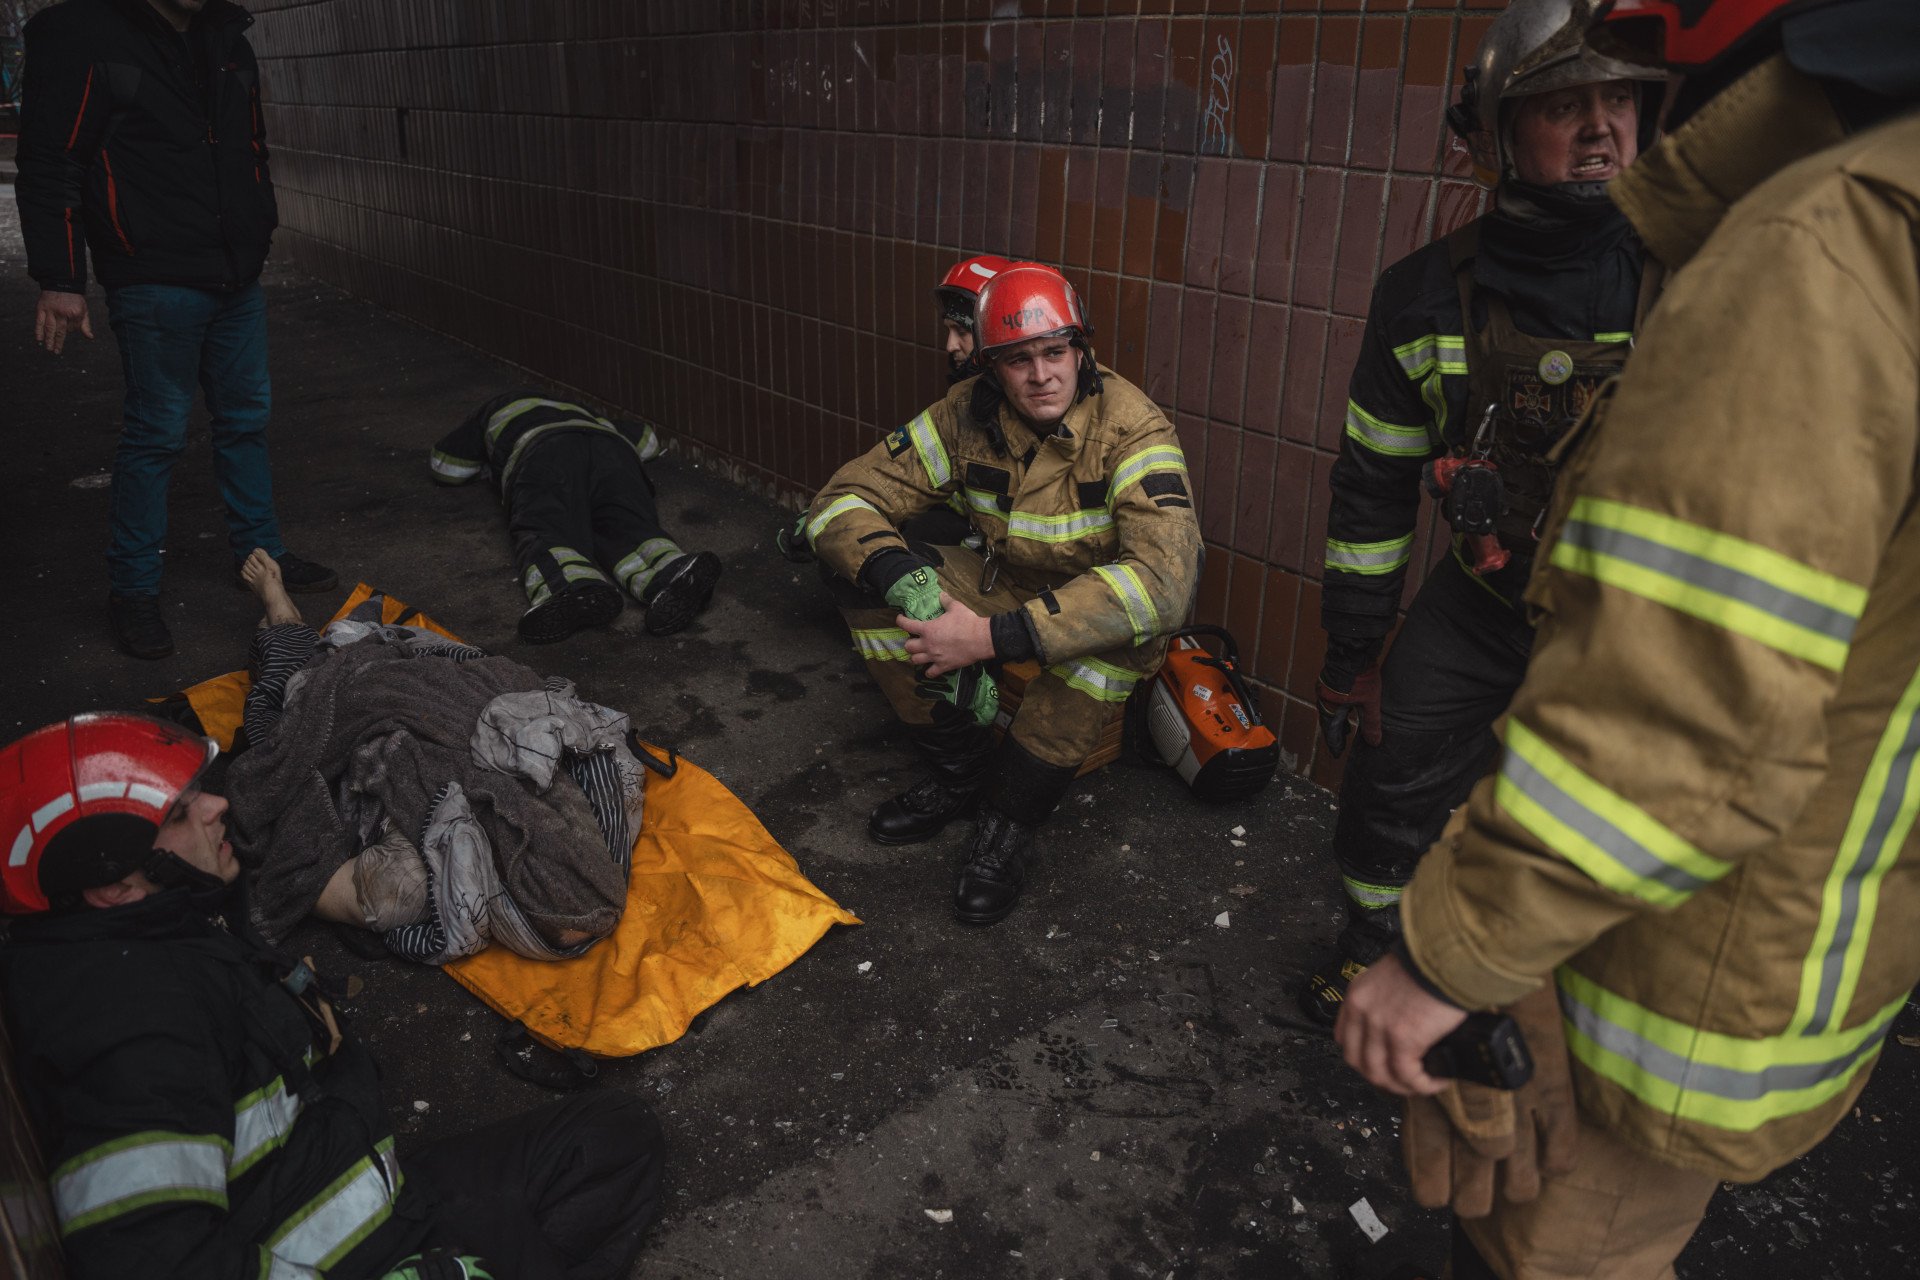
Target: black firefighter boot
(1021, 795)
(955, 754)
(1370, 933)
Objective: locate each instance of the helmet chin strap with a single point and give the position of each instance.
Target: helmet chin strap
(170, 871)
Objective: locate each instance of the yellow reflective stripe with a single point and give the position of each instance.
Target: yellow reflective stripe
(1434, 392)
(140, 1169)
(451, 468)
(834, 510)
(261, 1122)
(1138, 466)
(1374, 897)
(1877, 829)
(648, 446)
(1614, 841)
(507, 413)
(1369, 557)
(1737, 1083)
(933, 454)
(1433, 352)
(525, 442)
(881, 644)
(636, 569)
(351, 1208)
(1125, 583)
(1385, 437)
(1100, 680)
(1621, 335)
(1070, 527)
(536, 585)
(1741, 586)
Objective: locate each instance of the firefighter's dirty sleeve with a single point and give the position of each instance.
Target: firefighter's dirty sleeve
(461, 454)
(1149, 588)
(856, 516)
(1389, 428)
(64, 114)
(1702, 585)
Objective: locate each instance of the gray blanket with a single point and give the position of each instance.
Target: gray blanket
(403, 727)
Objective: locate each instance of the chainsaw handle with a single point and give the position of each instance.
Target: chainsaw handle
(1221, 634)
(1228, 665)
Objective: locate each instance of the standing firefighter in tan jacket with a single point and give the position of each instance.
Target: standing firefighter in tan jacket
(1087, 555)
(1701, 837)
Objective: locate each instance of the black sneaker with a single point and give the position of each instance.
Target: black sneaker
(298, 576)
(585, 604)
(681, 591)
(138, 628)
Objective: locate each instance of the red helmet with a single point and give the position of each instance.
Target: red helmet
(960, 288)
(81, 801)
(1685, 35)
(1027, 300)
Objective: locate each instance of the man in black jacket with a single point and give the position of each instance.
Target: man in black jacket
(203, 1113)
(1480, 352)
(142, 139)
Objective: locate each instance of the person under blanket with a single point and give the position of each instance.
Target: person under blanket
(411, 785)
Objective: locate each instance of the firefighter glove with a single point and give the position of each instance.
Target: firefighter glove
(1340, 707)
(1458, 1142)
(969, 695)
(916, 594)
(439, 1264)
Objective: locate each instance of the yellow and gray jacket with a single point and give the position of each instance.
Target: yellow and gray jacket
(496, 436)
(1702, 828)
(1097, 517)
(195, 1125)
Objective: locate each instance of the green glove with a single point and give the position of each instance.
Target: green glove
(916, 594)
(968, 692)
(439, 1264)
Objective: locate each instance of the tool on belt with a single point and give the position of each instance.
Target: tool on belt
(1486, 1049)
(1197, 716)
(1472, 497)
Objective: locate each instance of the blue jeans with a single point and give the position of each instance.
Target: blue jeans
(172, 337)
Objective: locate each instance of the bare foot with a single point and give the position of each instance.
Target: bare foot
(261, 573)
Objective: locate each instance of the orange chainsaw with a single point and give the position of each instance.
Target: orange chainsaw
(1197, 716)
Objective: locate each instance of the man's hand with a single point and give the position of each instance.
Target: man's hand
(1387, 1023)
(57, 313)
(1343, 697)
(959, 637)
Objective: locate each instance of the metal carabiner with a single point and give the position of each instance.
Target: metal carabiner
(989, 571)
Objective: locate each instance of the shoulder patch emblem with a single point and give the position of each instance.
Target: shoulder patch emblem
(898, 442)
(1555, 368)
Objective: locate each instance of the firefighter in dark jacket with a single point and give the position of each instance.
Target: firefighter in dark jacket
(1480, 352)
(141, 138)
(1086, 553)
(581, 510)
(202, 1112)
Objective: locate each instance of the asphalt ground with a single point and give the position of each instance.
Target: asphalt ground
(1110, 1083)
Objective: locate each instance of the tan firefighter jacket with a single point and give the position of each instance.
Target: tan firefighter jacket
(1099, 520)
(1703, 822)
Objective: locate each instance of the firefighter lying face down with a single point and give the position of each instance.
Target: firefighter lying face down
(406, 784)
(201, 1107)
(1085, 554)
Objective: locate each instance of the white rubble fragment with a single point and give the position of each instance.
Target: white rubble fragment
(1297, 1206)
(1238, 844)
(1222, 920)
(1239, 831)
(939, 1215)
(1367, 1220)
(865, 966)
(420, 1104)
(1094, 1156)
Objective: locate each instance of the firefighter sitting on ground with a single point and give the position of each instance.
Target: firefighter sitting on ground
(202, 1110)
(1086, 554)
(581, 511)
(954, 299)
(1481, 350)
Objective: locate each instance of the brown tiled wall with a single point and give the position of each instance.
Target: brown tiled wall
(727, 216)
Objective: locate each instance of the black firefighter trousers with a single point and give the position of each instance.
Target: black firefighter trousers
(1455, 666)
(580, 508)
(562, 1192)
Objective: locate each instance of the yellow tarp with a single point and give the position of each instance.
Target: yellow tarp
(713, 903)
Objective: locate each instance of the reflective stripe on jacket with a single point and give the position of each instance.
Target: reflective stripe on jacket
(493, 438)
(1703, 826)
(194, 1128)
(1099, 517)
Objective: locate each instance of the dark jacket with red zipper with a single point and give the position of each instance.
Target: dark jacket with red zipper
(146, 144)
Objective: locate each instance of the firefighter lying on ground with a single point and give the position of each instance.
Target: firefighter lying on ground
(402, 783)
(1086, 554)
(954, 300)
(1697, 872)
(1480, 351)
(202, 1110)
(581, 512)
